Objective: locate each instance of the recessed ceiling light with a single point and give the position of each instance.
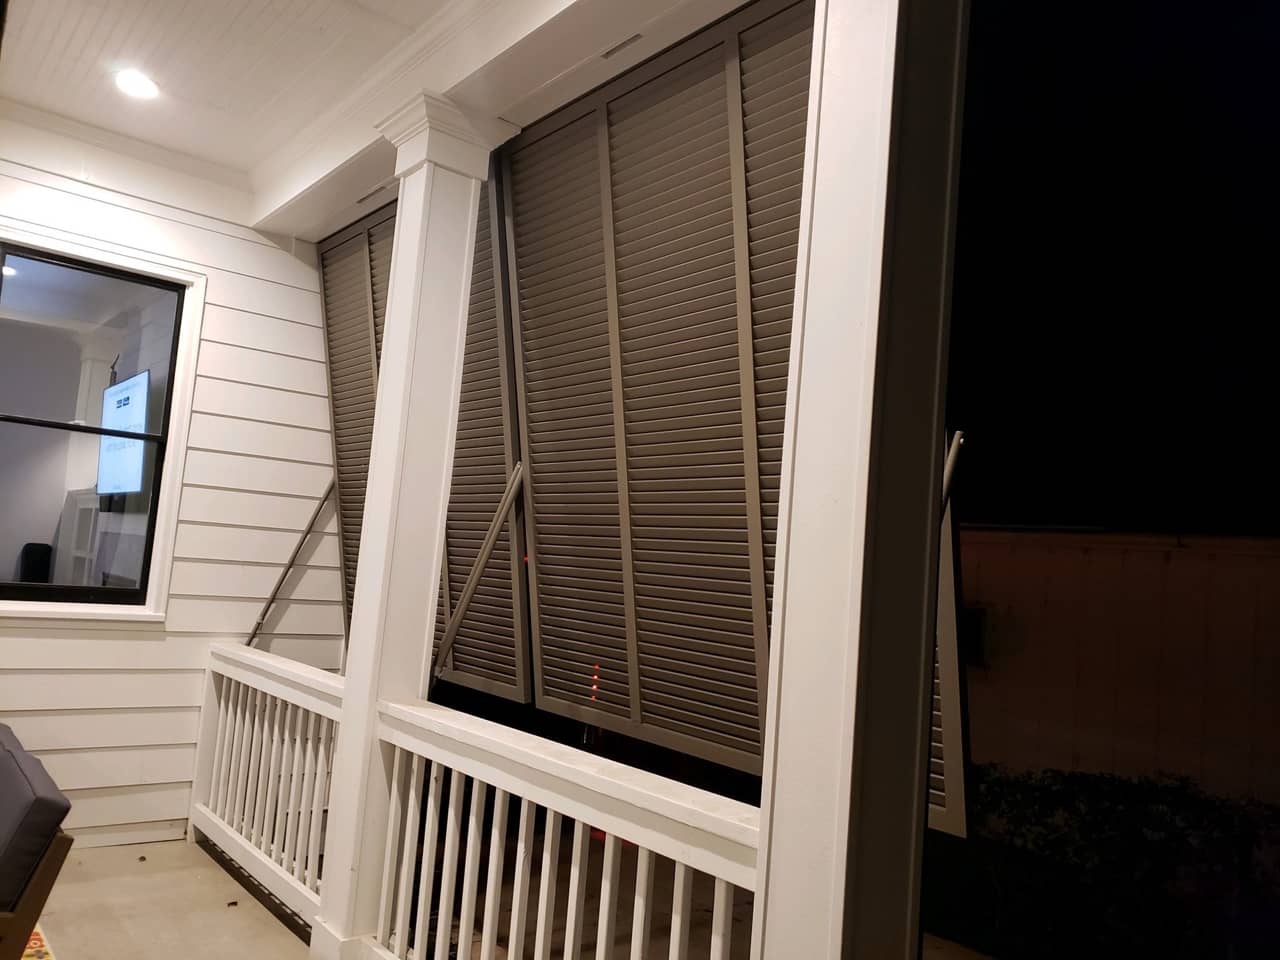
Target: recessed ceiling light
(135, 83)
(9, 272)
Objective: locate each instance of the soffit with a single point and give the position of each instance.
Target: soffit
(238, 78)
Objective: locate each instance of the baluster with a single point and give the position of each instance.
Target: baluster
(430, 836)
(520, 888)
(608, 897)
(220, 685)
(246, 754)
(471, 869)
(286, 783)
(391, 849)
(227, 803)
(412, 813)
(449, 866)
(577, 891)
(493, 888)
(318, 798)
(295, 791)
(640, 917)
(681, 907)
(298, 852)
(245, 821)
(274, 771)
(260, 787)
(722, 921)
(547, 887)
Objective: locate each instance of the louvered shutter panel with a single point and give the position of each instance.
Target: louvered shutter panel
(677, 303)
(352, 385)
(578, 604)
(654, 234)
(946, 735)
(380, 238)
(491, 650)
(774, 57)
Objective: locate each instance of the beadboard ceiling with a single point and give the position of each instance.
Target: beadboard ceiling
(237, 77)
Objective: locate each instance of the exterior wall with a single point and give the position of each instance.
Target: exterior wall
(1128, 655)
(111, 705)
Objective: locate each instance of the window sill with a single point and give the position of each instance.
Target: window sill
(101, 612)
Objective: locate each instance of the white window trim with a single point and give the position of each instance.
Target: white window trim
(181, 395)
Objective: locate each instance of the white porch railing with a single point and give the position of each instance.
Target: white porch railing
(261, 790)
(653, 866)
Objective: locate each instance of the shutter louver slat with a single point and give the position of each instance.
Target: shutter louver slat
(774, 57)
(683, 165)
(352, 384)
(490, 647)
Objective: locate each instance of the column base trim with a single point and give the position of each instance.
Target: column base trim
(326, 944)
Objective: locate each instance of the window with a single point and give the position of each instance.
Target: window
(87, 359)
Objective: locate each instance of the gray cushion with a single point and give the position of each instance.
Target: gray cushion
(32, 809)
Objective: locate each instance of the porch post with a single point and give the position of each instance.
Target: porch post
(442, 157)
(814, 662)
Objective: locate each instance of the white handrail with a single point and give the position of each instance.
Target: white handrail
(708, 832)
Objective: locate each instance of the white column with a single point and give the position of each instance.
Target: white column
(442, 157)
(809, 731)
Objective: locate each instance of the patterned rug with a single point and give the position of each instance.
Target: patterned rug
(38, 947)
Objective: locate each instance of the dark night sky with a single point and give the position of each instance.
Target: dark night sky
(1115, 338)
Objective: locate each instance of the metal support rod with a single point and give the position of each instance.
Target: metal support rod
(957, 441)
(293, 557)
(514, 486)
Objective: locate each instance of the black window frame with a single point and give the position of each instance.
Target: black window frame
(76, 593)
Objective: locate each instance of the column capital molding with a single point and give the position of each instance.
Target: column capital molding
(428, 128)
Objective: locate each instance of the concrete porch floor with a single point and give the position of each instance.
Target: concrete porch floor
(169, 901)
(109, 904)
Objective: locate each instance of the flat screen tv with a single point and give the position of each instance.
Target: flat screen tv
(124, 407)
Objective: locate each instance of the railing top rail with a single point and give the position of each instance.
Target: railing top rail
(299, 683)
(709, 832)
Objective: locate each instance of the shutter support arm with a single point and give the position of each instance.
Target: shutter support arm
(293, 558)
(514, 486)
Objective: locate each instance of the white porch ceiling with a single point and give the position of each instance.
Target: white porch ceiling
(238, 78)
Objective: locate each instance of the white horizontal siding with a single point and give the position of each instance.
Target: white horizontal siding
(250, 402)
(112, 708)
(119, 834)
(223, 361)
(199, 578)
(120, 766)
(137, 803)
(270, 335)
(228, 435)
(74, 727)
(235, 472)
(204, 542)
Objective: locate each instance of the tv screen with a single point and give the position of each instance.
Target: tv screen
(124, 407)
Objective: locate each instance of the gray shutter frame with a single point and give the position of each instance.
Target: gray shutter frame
(652, 319)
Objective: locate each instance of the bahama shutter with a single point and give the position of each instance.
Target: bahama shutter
(353, 274)
(653, 234)
(490, 652)
(946, 726)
